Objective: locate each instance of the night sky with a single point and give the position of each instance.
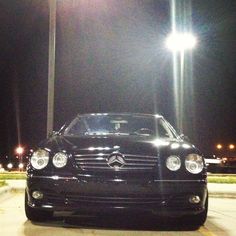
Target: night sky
(110, 56)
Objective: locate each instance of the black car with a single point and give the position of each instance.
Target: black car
(117, 163)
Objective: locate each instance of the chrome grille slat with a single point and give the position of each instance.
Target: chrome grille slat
(91, 155)
(138, 164)
(109, 168)
(139, 160)
(92, 163)
(99, 161)
(91, 159)
(132, 155)
(95, 167)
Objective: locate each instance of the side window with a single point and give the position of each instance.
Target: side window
(79, 128)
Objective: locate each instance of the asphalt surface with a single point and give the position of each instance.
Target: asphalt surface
(221, 221)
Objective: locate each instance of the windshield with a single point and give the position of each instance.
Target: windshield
(120, 125)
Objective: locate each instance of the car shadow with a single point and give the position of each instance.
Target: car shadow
(117, 222)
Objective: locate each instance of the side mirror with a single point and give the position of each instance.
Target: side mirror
(184, 137)
(53, 133)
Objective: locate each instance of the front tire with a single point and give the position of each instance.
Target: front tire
(36, 214)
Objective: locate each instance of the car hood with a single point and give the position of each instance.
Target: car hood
(133, 144)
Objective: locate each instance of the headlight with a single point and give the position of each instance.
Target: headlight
(59, 160)
(39, 159)
(194, 163)
(173, 163)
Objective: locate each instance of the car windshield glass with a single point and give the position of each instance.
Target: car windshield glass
(120, 125)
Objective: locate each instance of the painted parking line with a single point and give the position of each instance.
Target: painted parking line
(206, 232)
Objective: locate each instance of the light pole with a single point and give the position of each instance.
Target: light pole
(178, 43)
(19, 151)
(51, 65)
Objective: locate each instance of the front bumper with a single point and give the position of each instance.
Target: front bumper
(93, 195)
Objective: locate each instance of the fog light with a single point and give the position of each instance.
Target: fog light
(194, 199)
(37, 195)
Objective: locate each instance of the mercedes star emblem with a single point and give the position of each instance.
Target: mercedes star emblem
(116, 161)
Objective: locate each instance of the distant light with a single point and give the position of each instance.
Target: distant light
(19, 150)
(224, 159)
(9, 165)
(0, 166)
(231, 146)
(181, 41)
(21, 166)
(219, 146)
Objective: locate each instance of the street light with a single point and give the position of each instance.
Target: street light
(219, 146)
(181, 41)
(19, 151)
(21, 166)
(178, 43)
(9, 166)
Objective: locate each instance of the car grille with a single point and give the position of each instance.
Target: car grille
(99, 162)
(76, 200)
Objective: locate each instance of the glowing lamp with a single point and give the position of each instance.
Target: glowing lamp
(181, 41)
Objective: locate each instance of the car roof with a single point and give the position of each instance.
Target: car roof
(122, 114)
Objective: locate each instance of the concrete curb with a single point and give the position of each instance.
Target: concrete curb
(222, 190)
(222, 195)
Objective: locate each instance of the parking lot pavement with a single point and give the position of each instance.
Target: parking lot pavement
(222, 190)
(221, 222)
(16, 184)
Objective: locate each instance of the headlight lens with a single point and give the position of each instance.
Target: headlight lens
(194, 163)
(59, 160)
(173, 163)
(39, 159)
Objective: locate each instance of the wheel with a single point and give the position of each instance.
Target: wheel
(35, 214)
